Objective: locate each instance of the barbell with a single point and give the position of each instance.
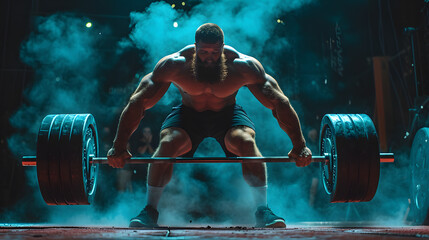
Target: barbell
(67, 158)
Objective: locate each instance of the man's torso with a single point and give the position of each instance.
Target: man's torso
(201, 95)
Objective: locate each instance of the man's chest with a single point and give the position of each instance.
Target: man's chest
(230, 85)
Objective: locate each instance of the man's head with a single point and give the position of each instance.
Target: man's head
(209, 60)
(209, 43)
(209, 33)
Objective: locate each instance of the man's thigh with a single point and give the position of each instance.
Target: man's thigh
(174, 142)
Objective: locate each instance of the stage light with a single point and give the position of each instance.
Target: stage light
(175, 24)
(183, 3)
(88, 24)
(173, 5)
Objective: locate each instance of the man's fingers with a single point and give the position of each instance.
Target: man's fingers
(125, 155)
(113, 162)
(302, 159)
(296, 158)
(300, 163)
(116, 161)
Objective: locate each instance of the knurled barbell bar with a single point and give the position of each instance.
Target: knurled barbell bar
(67, 158)
(28, 161)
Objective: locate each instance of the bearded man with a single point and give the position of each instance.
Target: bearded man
(208, 75)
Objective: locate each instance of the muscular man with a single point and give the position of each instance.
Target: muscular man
(208, 75)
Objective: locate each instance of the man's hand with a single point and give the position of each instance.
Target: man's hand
(301, 155)
(116, 158)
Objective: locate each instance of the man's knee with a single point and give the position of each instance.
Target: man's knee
(174, 142)
(240, 140)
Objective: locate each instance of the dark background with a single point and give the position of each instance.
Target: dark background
(343, 37)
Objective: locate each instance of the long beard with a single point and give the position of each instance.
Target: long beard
(213, 74)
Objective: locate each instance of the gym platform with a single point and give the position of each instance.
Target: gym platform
(313, 230)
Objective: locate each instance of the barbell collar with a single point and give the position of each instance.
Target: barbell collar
(32, 160)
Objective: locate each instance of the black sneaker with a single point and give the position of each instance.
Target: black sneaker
(147, 218)
(265, 218)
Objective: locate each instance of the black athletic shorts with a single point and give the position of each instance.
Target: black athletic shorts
(200, 125)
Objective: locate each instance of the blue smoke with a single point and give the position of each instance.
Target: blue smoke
(61, 52)
(68, 68)
(250, 28)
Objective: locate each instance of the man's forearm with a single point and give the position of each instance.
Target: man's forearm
(128, 123)
(289, 122)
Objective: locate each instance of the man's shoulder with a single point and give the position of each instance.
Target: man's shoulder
(179, 58)
(189, 50)
(170, 61)
(239, 58)
(247, 64)
(231, 53)
(186, 52)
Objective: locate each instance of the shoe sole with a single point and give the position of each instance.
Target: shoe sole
(276, 224)
(139, 224)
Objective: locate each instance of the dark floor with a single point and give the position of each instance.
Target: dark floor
(303, 231)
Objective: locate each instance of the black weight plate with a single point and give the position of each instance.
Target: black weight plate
(65, 150)
(334, 177)
(64, 146)
(54, 159)
(348, 140)
(42, 160)
(92, 169)
(327, 148)
(365, 158)
(84, 142)
(75, 160)
(348, 150)
(372, 155)
(419, 158)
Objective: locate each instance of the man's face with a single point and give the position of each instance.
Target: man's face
(209, 62)
(209, 53)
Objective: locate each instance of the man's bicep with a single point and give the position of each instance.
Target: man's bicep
(267, 92)
(259, 90)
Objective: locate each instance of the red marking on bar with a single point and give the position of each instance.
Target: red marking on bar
(387, 160)
(28, 163)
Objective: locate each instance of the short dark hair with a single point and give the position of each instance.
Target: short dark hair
(209, 33)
